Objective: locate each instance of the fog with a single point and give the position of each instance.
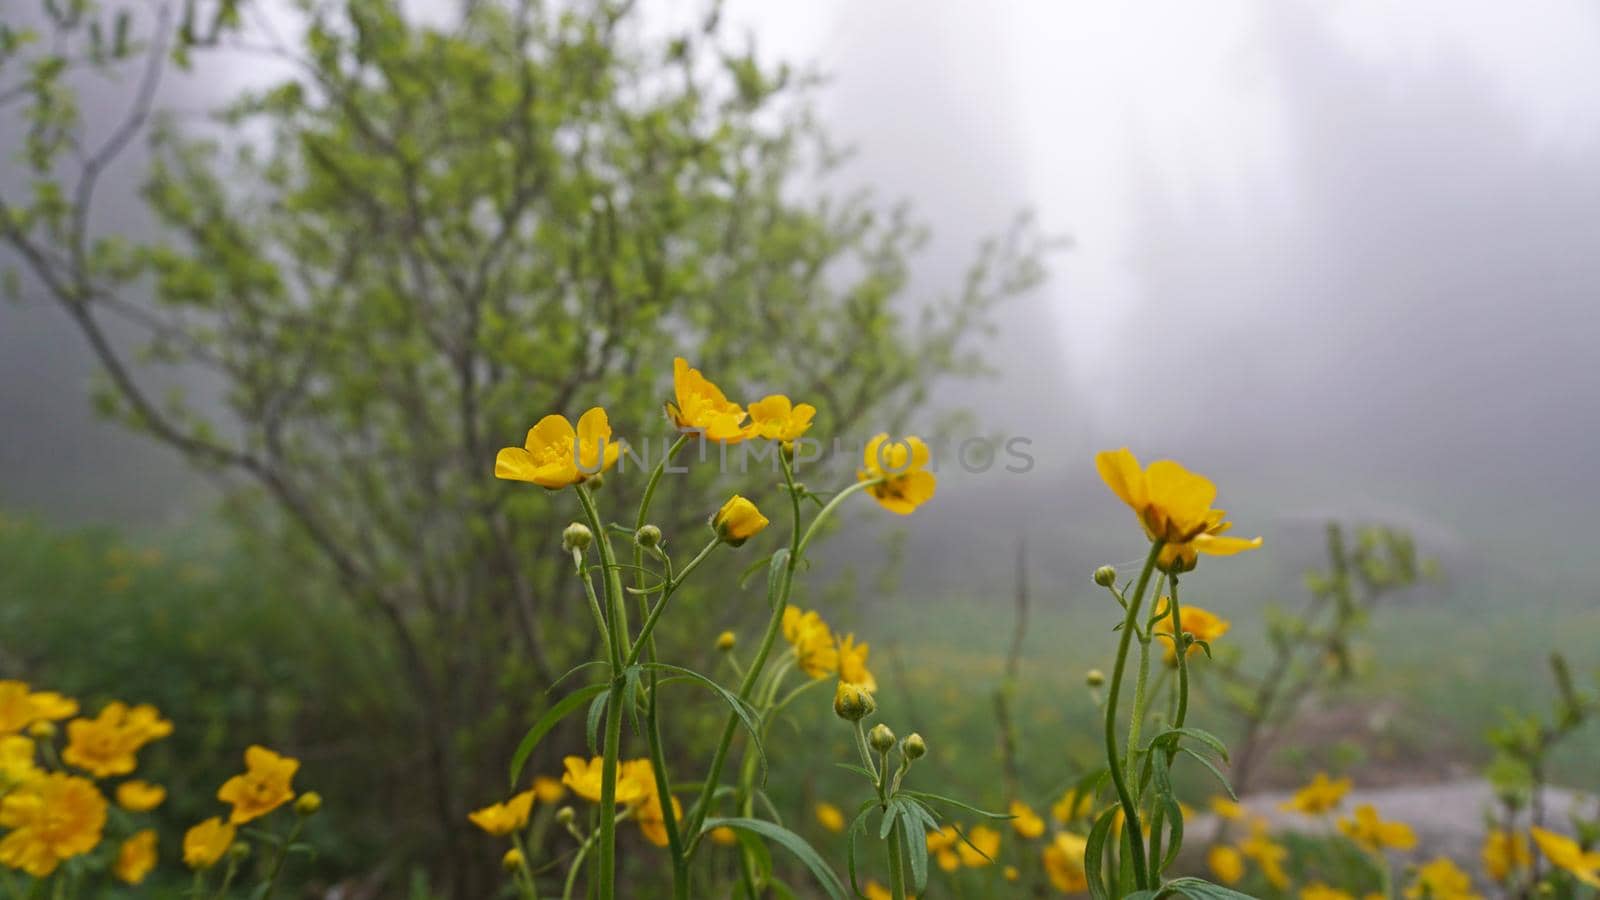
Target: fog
(1343, 259)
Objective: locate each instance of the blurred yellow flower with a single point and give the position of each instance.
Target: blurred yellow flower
(853, 664)
(1226, 863)
(1025, 821)
(942, 844)
(829, 817)
(1063, 862)
(1012, 873)
(702, 407)
(1172, 503)
(776, 419)
(512, 860)
(1228, 809)
(16, 761)
(875, 891)
(1073, 804)
(647, 811)
(501, 819)
(1505, 852)
(108, 744)
(1322, 795)
(1566, 854)
(205, 843)
(547, 789)
(1439, 879)
(738, 521)
(900, 467)
(140, 796)
(1374, 834)
(723, 836)
(136, 857)
(980, 848)
(1319, 891)
(1203, 624)
(265, 785)
(584, 778)
(813, 643)
(21, 706)
(554, 455)
(1268, 854)
(51, 818)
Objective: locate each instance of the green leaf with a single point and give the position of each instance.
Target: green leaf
(780, 559)
(746, 715)
(1200, 889)
(935, 798)
(858, 826)
(852, 767)
(1171, 735)
(597, 712)
(545, 722)
(1094, 854)
(790, 841)
(1214, 771)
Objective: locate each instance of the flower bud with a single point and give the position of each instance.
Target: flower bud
(725, 641)
(738, 521)
(577, 536)
(1094, 678)
(647, 536)
(42, 730)
(1105, 576)
(565, 815)
(852, 702)
(308, 804)
(512, 861)
(915, 747)
(239, 850)
(881, 738)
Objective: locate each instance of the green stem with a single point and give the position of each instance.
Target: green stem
(649, 625)
(1130, 810)
(577, 862)
(897, 875)
(283, 855)
(614, 711)
(1182, 711)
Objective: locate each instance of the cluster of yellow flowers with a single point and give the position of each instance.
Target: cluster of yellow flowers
(820, 654)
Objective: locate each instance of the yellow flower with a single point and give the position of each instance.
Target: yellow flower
(1441, 880)
(264, 786)
(512, 860)
(875, 891)
(107, 745)
(702, 407)
(829, 817)
(1072, 805)
(584, 778)
(21, 707)
(723, 836)
(554, 455)
(1319, 891)
(1173, 505)
(901, 470)
(205, 843)
(980, 848)
(1505, 852)
(1228, 809)
(942, 844)
(140, 796)
(1012, 873)
(647, 809)
(1203, 624)
(136, 857)
(500, 819)
(853, 664)
(1267, 854)
(1227, 863)
(547, 789)
(17, 764)
(1322, 795)
(1063, 862)
(774, 418)
(738, 521)
(1565, 853)
(1027, 823)
(813, 643)
(51, 818)
(1375, 834)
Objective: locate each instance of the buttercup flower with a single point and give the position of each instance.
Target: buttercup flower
(1441, 880)
(1063, 862)
(263, 787)
(555, 455)
(140, 796)
(547, 789)
(1072, 805)
(942, 844)
(1322, 795)
(776, 419)
(813, 643)
(136, 857)
(1226, 863)
(1267, 853)
(108, 744)
(853, 663)
(902, 467)
(512, 860)
(648, 812)
(51, 818)
(205, 843)
(1173, 505)
(980, 848)
(17, 764)
(21, 707)
(1231, 810)
(584, 778)
(1371, 832)
(1203, 624)
(723, 836)
(702, 407)
(1505, 852)
(1564, 853)
(500, 819)
(1319, 891)
(1025, 821)
(852, 702)
(829, 817)
(738, 521)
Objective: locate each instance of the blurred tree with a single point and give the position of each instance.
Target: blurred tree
(426, 236)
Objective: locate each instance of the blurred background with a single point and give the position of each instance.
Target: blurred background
(1342, 258)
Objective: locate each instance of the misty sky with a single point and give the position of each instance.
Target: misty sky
(1343, 257)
